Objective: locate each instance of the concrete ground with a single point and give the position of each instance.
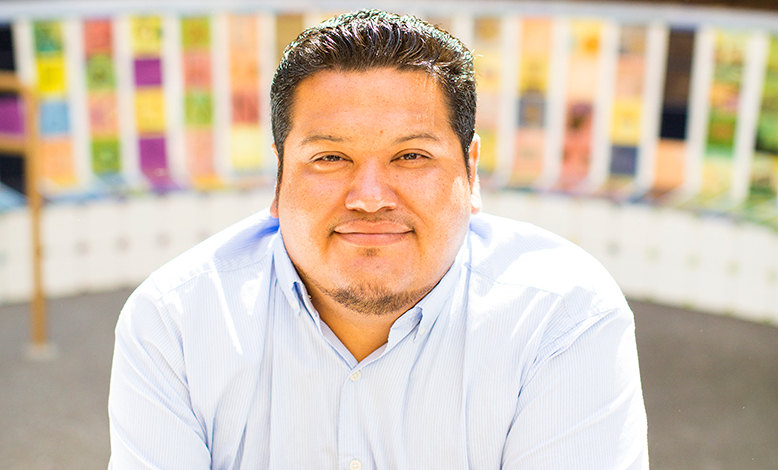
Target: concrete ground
(710, 385)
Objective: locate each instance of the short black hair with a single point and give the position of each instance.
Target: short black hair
(370, 39)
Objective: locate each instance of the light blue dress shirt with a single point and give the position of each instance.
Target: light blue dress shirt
(522, 357)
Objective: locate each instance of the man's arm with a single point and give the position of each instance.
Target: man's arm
(151, 418)
(583, 408)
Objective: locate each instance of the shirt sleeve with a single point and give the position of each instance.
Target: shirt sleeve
(152, 424)
(583, 407)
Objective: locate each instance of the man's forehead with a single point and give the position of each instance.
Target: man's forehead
(343, 79)
(328, 102)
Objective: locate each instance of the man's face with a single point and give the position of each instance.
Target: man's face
(375, 200)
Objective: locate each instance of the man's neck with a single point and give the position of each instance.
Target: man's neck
(360, 333)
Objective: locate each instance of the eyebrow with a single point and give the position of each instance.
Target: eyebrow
(400, 140)
(319, 138)
(419, 136)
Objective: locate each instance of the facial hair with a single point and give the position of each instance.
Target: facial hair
(372, 299)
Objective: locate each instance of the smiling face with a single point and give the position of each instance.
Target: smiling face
(374, 201)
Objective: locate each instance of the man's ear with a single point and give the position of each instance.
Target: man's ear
(475, 188)
(274, 204)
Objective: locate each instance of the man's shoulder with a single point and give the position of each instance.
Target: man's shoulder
(513, 253)
(244, 244)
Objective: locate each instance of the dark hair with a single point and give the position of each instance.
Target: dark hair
(371, 39)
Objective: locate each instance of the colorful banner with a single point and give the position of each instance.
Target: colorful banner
(585, 48)
(246, 150)
(56, 147)
(764, 169)
(724, 97)
(669, 169)
(198, 101)
(11, 107)
(488, 63)
(288, 27)
(150, 100)
(11, 125)
(443, 22)
(627, 112)
(530, 135)
(11, 116)
(101, 98)
(228, 105)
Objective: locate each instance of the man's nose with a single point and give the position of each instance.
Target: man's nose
(371, 189)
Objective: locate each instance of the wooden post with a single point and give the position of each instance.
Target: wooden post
(39, 347)
(38, 319)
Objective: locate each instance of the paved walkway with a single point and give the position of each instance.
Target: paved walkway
(710, 384)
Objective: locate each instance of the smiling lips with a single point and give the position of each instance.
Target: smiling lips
(367, 233)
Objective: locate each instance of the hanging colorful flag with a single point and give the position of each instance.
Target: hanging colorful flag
(150, 101)
(198, 101)
(762, 204)
(582, 73)
(442, 22)
(246, 150)
(627, 112)
(56, 147)
(764, 170)
(530, 136)
(12, 125)
(487, 48)
(718, 159)
(669, 167)
(101, 97)
(288, 27)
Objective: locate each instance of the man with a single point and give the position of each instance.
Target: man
(372, 319)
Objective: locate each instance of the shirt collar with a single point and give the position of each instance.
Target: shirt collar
(432, 304)
(288, 280)
(428, 308)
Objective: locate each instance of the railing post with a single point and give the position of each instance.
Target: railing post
(39, 348)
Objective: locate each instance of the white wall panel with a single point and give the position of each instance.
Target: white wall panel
(676, 237)
(64, 237)
(598, 230)
(713, 286)
(636, 264)
(17, 279)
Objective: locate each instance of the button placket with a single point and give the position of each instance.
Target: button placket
(351, 443)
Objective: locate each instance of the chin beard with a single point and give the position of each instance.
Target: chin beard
(375, 300)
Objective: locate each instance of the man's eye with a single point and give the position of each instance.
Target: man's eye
(331, 158)
(411, 156)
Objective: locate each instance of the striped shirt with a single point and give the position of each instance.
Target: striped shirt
(522, 357)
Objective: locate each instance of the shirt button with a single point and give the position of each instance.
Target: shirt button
(355, 465)
(354, 377)
(422, 330)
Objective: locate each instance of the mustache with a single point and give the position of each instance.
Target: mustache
(372, 223)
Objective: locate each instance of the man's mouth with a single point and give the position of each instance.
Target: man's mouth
(372, 233)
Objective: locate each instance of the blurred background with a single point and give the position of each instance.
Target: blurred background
(646, 132)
